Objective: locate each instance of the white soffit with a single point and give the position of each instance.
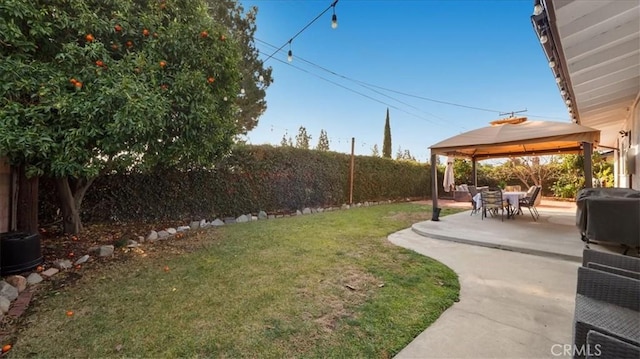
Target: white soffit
(600, 40)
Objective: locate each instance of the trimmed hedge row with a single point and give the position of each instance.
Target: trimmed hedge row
(252, 178)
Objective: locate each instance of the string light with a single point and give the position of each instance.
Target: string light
(290, 54)
(334, 18)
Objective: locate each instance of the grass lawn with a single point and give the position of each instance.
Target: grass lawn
(276, 288)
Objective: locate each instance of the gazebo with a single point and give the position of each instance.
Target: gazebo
(516, 136)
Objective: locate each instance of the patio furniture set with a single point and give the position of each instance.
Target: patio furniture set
(607, 312)
(491, 201)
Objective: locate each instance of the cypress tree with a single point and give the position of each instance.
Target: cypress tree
(386, 145)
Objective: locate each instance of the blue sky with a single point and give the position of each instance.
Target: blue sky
(481, 54)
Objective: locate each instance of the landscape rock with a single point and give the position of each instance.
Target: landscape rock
(62, 264)
(50, 272)
(314, 210)
(163, 235)
(132, 244)
(82, 260)
(183, 228)
(8, 291)
(105, 251)
(345, 206)
(242, 219)
(217, 222)
(359, 205)
(229, 220)
(306, 210)
(366, 204)
(203, 223)
(17, 281)
(262, 215)
(254, 218)
(271, 216)
(34, 278)
(140, 239)
(152, 236)
(320, 210)
(4, 305)
(298, 213)
(172, 231)
(194, 225)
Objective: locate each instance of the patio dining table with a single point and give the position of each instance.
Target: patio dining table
(512, 198)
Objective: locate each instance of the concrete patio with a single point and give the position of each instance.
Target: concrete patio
(517, 278)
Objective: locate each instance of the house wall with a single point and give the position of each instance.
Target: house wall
(628, 164)
(634, 127)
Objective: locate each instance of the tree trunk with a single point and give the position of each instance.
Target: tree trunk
(71, 192)
(27, 211)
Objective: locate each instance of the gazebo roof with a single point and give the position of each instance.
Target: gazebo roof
(516, 138)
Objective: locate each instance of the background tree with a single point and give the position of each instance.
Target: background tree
(375, 152)
(323, 141)
(303, 138)
(255, 78)
(284, 142)
(114, 85)
(386, 144)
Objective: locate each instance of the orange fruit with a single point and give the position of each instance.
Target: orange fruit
(99, 64)
(164, 86)
(129, 44)
(6, 348)
(114, 46)
(222, 37)
(204, 34)
(145, 32)
(69, 313)
(118, 28)
(78, 266)
(39, 268)
(89, 38)
(163, 64)
(73, 81)
(211, 80)
(78, 84)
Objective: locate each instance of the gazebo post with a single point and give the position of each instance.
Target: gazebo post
(434, 188)
(474, 173)
(588, 168)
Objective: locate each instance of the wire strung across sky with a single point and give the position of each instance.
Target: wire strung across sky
(375, 88)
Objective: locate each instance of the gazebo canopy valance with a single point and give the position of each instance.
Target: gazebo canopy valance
(518, 138)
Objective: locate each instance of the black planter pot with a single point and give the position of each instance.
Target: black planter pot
(19, 252)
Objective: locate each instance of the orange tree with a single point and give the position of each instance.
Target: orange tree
(95, 86)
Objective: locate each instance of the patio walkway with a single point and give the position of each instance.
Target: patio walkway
(512, 304)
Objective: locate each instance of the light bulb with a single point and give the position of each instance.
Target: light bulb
(537, 9)
(290, 56)
(261, 78)
(543, 38)
(334, 21)
(563, 92)
(552, 63)
(558, 79)
(568, 101)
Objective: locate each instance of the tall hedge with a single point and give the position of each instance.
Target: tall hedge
(250, 179)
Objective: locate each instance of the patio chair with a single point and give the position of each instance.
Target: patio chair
(492, 202)
(608, 304)
(529, 201)
(475, 206)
